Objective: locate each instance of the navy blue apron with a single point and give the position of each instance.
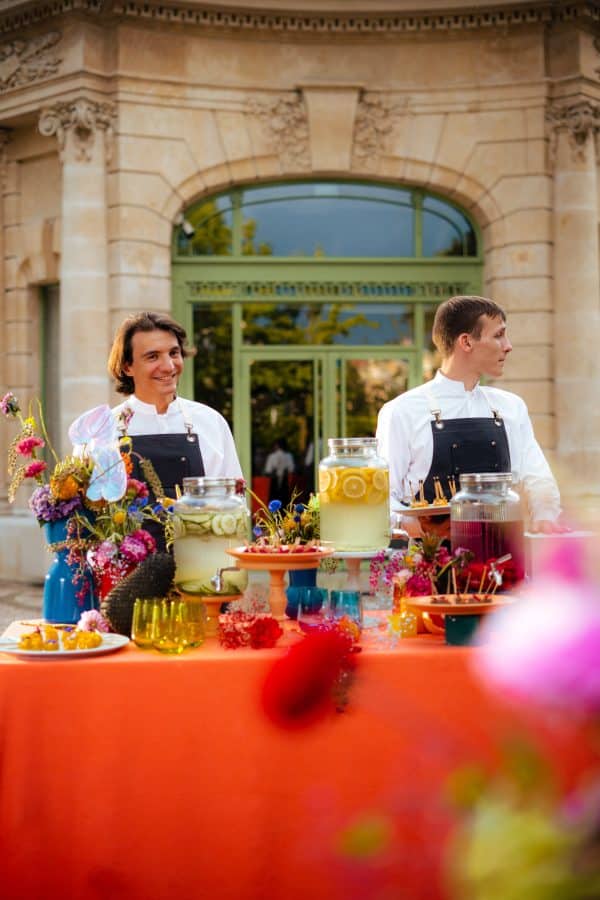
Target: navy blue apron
(174, 457)
(465, 445)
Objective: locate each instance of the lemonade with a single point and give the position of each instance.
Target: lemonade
(354, 496)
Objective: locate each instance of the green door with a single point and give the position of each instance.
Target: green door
(310, 304)
(303, 396)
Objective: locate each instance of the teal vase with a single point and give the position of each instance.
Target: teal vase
(65, 595)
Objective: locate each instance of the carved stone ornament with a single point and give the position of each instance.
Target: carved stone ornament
(24, 61)
(580, 119)
(81, 119)
(373, 123)
(285, 118)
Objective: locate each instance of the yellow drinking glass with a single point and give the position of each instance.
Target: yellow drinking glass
(193, 613)
(169, 627)
(142, 625)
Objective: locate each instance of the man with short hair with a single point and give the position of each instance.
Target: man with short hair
(452, 424)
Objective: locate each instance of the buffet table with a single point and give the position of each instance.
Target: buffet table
(145, 777)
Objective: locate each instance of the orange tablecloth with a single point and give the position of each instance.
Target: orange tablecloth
(149, 778)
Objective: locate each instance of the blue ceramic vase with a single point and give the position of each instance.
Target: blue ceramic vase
(60, 602)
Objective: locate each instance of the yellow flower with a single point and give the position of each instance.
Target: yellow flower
(119, 517)
(64, 488)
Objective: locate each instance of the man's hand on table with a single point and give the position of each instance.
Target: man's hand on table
(547, 526)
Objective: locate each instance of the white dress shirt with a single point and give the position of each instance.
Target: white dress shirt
(214, 435)
(405, 439)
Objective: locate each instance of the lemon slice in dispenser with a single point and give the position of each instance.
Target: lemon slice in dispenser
(354, 487)
(380, 480)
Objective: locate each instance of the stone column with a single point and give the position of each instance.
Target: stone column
(84, 130)
(4, 435)
(574, 124)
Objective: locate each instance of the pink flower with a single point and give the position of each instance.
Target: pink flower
(133, 549)
(103, 555)
(92, 620)
(418, 586)
(9, 405)
(26, 446)
(136, 489)
(35, 468)
(145, 538)
(546, 646)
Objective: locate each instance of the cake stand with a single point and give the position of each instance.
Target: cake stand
(277, 564)
(353, 559)
(462, 612)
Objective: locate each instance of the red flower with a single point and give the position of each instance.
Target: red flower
(35, 468)
(300, 688)
(264, 631)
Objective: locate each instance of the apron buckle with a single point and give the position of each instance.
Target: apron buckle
(437, 415)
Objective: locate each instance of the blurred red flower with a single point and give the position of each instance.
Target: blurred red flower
(304, 685)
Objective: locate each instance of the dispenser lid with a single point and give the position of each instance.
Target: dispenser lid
(470, 478)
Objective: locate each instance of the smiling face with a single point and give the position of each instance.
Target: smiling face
(156, 365)
(488, 352)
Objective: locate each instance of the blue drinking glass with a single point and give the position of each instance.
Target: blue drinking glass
(346, 603)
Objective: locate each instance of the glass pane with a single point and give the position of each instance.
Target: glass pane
(325, 189)
(375, 324)
(213, 377)
(369, 383)
(282, 400)
(431, 357)
(207, 230)
(328, 226)
(446, 231)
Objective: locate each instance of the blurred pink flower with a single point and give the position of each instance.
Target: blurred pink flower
(546, 647)
(92, 620)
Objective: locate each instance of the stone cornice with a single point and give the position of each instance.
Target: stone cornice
(215, 17)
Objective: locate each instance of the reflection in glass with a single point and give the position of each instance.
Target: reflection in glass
(212, 224)
(365, 324)
(213, 377)
(446, 231)
(331, 226)
(282, 401)
(369, 383)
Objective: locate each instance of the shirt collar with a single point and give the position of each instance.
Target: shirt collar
(451, 387)
(149, 409)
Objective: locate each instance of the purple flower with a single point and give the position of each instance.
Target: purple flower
(92, 620)
(46, 509)
(9, 405)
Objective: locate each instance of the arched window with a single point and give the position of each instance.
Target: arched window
(326, 219)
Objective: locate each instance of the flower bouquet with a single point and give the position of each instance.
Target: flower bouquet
(287, 529)
(58, 494)
(92, 513)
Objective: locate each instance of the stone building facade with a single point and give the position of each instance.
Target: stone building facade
(117, 116)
